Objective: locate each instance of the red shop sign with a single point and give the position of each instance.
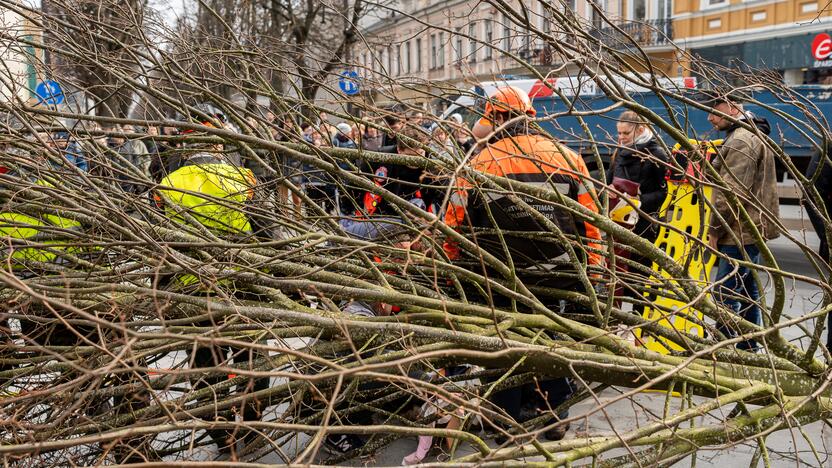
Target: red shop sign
(822, 46)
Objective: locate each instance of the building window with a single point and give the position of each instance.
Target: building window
(758, 16)
(418, 54)
(506, 34)
(441, 58)
(407, 57)
(809, 7)
(458, 46)
(433, 60)
(398, 59)
(639, 10)
(389, 61)
(364, 64)
(489, 38)
(715, 23)
(472, 42)
(664, 10)
(596, 9)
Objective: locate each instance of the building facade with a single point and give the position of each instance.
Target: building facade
(418, 47)
(791, 37)
(18, 76)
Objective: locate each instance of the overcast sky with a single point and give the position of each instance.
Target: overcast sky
(169, 9)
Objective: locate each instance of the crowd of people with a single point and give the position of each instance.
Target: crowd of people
(503, 143)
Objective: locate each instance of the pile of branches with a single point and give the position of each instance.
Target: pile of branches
(133, 336)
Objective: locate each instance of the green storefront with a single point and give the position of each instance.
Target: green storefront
(801, 59)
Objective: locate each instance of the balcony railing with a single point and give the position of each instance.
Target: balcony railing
(629, 33)
(645, 33)
(538, 56)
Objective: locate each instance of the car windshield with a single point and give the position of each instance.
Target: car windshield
(470, 113)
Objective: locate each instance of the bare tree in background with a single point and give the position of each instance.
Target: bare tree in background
(83, 60)
(307, 41)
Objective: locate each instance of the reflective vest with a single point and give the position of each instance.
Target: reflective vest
(209, 176)
(25, 226)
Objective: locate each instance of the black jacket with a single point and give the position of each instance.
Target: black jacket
(824, 181)
(759, 122)
(403, 181)
(640, 164)
(823, 184)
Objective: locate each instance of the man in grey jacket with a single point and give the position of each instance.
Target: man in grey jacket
(747, 167)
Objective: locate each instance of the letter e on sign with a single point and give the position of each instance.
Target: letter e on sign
(822, 46)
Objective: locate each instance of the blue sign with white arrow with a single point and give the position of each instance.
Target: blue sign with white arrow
(349, 82)
(50, 92)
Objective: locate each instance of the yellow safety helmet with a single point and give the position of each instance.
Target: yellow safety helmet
(624, 212)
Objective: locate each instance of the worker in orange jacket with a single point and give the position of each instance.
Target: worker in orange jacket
(518, 152)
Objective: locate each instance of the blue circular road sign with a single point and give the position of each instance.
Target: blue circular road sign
(50, 92)
(349, 82)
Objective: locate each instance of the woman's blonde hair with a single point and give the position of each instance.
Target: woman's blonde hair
(631, 117)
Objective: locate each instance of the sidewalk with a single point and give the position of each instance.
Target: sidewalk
(794, 217)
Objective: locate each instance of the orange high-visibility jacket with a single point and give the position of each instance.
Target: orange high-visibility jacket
(524, 155)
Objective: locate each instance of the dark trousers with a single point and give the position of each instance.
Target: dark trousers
(211, 356)
(55, 333)
(635, 294)
(819, 225)
(323, 195)
(543, 396)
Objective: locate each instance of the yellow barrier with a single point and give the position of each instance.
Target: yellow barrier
(688, 217)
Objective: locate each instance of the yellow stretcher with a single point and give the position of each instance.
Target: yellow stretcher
(688, 218)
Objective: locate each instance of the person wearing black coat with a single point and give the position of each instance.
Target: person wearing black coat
(641, 159)
(823, 184)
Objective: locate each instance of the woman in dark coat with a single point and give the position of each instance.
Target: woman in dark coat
(641, 158)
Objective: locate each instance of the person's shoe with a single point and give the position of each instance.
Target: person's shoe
(102, 408)
(224, 441)
(527, 413)
(556, 433)
(124, 453)
(500, 438)
(249, 437)
(751, 347)
(736, 411)
(339, 444)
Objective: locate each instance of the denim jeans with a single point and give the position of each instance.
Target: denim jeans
(739, 292)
